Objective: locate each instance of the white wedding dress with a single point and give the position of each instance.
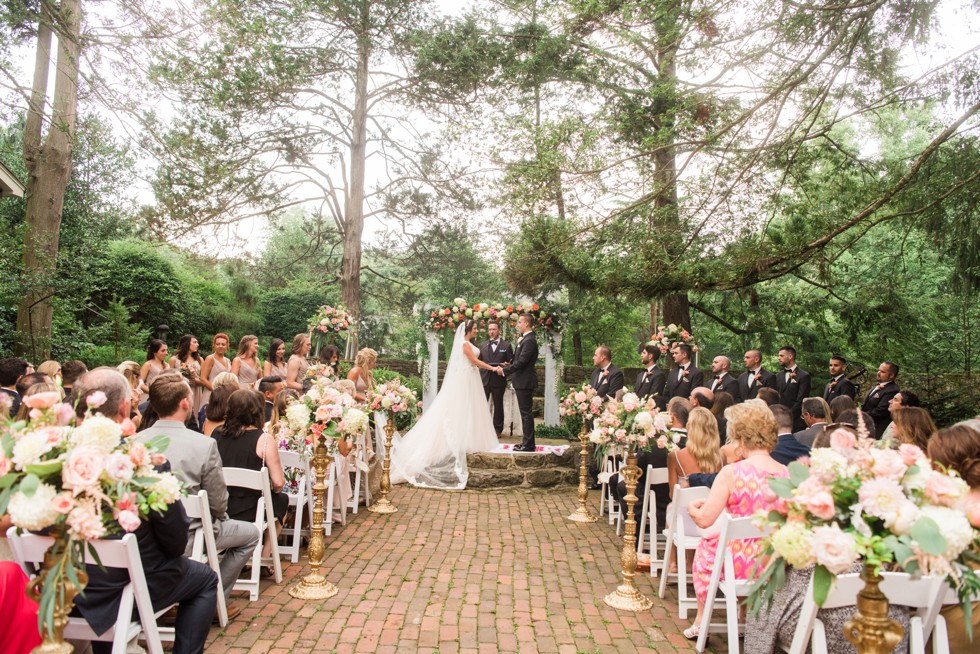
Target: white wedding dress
(433, 453)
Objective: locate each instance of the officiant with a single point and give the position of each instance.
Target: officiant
(496, 352)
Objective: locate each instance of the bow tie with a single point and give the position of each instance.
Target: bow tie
(718, 377)
(494, 342)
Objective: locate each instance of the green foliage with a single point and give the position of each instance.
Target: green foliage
(285, 312)
(556, 432)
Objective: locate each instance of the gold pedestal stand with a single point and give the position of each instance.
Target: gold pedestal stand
(582, 513)
(53, 641)
(627, 597)
(384, 505)
(315, 586)
(871, 631)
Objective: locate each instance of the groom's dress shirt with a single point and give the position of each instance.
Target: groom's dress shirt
(607, 381)
(650, 382)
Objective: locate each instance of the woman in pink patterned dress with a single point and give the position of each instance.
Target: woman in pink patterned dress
(742, 489)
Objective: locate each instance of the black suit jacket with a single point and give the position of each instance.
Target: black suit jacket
(766, 378)
(609, 384)
(876, 404)
(651, 383)
(728, 384)
(843, 386)
(681, 385)
(521, 369)
(162, 540)
(792, 392)
(504, 354)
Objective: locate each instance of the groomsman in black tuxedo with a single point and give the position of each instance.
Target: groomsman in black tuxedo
(754, 377)
(721, 378)
(685, 377)
(651, 381)
(793, 384)
(524, 379)
(876, 400)
(497, 352)
(606, 379)
(839, 383)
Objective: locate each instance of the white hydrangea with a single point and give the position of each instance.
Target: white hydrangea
(29, 449)
(826, 463)
(298, 416)
(168, 488)
(99, 432)
(916, 481)
(355, 421)
(955, 527)
(35, 512)
(644, 420)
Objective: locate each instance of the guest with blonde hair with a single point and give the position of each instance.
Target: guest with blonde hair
(52, 369)
(701, 454)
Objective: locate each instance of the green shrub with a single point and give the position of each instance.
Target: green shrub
(285, 312)
(556, 432)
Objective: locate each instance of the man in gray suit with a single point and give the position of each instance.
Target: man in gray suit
(815, 414)
(195, 460)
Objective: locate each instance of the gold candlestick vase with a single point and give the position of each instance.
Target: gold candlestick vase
(53, 635)
(871, 631)
(384, 505)
(315, 586)
(627, 596)
(583, 513)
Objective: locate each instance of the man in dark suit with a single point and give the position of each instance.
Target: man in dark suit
(524, 379)
(497, 352)
(11, 370)
(788, 448)
(839, 383)
(170, 577)
(684, 377)
(606, 379)
(815, 415)
(793, 384)
(876, 400)
(270, 387)
(722, 379)
(754, 377)
(651, 381)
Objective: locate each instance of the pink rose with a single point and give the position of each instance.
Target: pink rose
(943, 489)
(128, 520)
(63, 503)
(52, 435)
(128, 427)
(821, 505)
(911, 454)
(888, 464)
(65, 414)
(322, 413)
(86, 523)
(127, 502)
(157, 459)
(138, 454)
(119, 467)
(834, 549)
(95, 399)
(82, 469)
(44, 400)
(6, 465)
(580, 397)
(841, 439)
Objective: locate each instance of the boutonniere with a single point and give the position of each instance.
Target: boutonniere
(792, 374)
(757, 375)
(833, 383)
(684, 372)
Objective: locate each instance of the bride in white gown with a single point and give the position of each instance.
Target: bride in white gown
(433, 453)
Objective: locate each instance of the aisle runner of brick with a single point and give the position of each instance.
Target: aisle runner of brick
(477, 572)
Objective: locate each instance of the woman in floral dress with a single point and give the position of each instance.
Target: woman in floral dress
(742, 489)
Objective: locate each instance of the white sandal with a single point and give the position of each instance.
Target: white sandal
(692, 632)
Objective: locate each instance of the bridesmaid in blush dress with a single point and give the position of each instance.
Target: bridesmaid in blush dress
(156, 358)
(298, 365)
(246, 365)
(214, 365)
(189, 356)
(275, 363)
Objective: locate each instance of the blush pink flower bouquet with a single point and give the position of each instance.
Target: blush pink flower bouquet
(630, 422)
(79, 482)
(583, 403)
(859, 501)
(397, 400)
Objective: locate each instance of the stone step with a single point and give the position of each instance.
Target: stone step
(493, 470)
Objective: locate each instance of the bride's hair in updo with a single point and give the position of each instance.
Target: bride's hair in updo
(470, 324)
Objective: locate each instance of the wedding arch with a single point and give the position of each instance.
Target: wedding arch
(438, 320)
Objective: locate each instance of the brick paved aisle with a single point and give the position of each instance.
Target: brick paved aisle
(461, 572)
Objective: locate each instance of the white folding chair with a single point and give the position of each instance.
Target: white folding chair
(648, 513)
(682, 537)
(361, 485)
(934, 624)
(204, 548)
(732, 529)
(302, 500)
(900, 588)
(264, 521)
(29, 552)
(610, 466)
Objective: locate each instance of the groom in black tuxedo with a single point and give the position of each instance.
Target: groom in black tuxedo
(496, 352)
(524, 378)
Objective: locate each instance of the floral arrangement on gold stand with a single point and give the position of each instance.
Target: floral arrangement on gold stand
(861, 502)
(583, 403)
(401, 405)
(78, 483)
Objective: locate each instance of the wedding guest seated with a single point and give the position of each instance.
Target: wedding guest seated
(131, 371)
(195, 459)
(913, 425)
(18, 613)
(768, 395)
(29, 380)
(217, 409)
(839, 405)
(24, 412)
(815, 414)
(905, 398)
(52, 369)
(742, 489)
(788, 448)
(11, 370)
(243, 443)
(700, 454)
(71, 371)
(722, 401)
(269, 387)
(221, 379)
(851, 418)
(170, 576)
(958, 448)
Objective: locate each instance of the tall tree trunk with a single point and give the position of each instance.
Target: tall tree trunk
(350, 267)
(676, 308)
(48, 163)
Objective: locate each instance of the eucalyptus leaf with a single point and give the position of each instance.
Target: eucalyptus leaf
(822, 581)
(798, 473)
(45, 469)
(782, 487)
(29, 484)
(926, 533)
